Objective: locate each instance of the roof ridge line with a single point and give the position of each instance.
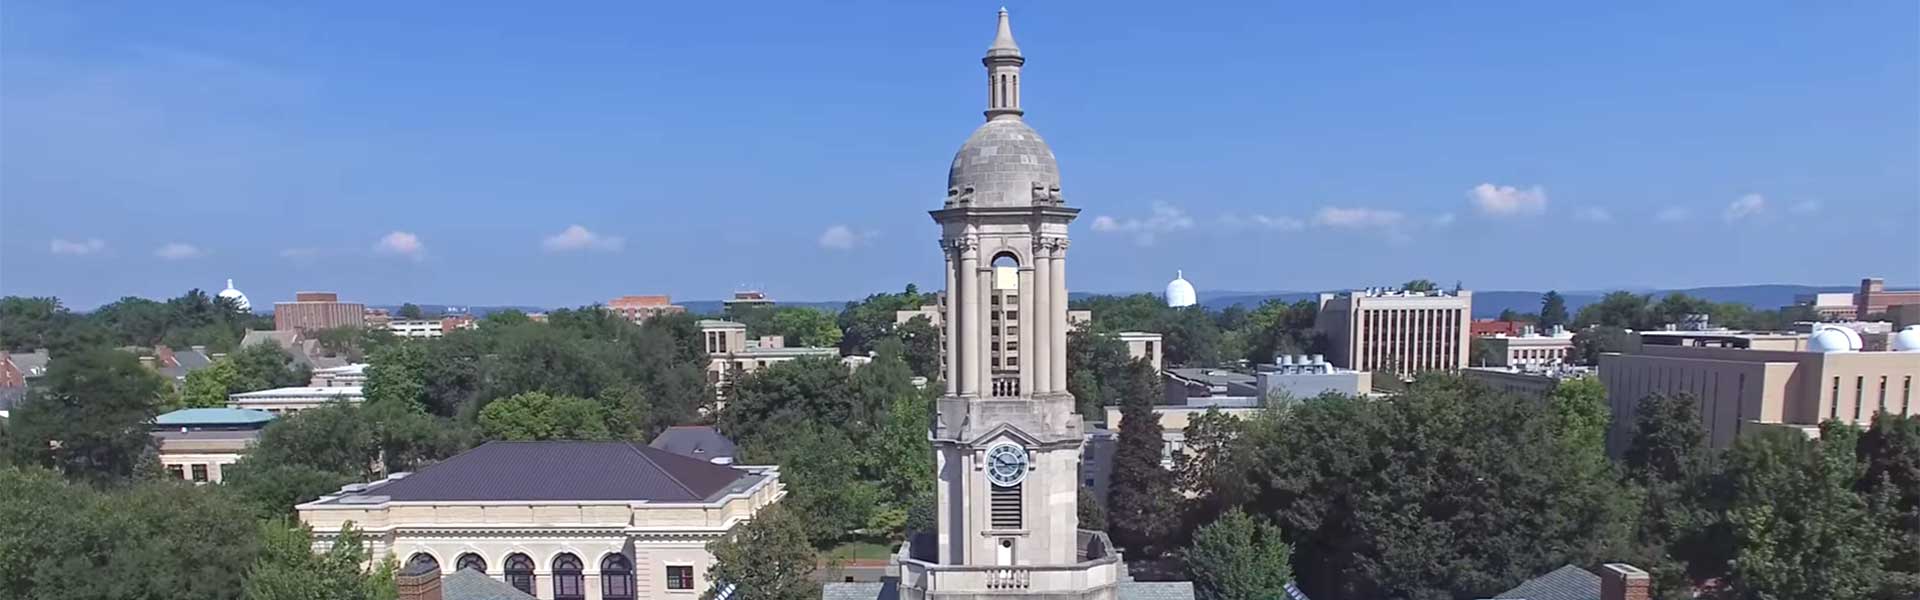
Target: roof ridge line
(663, 470)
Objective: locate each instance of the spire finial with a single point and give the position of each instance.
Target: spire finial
(229, 283)
(1003, 37)
(1003, 62)
(1179, 274)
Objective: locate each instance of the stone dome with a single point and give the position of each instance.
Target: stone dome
(238, 298)
(1180, 292)
(1833, 339)
(1003, 164)
(1906, 340)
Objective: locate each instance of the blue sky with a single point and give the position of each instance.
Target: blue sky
(495, 153)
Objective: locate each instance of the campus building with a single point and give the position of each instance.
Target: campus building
(1744, 380)
(1397, 332)
(730, 353)
(314, 311)
(557, 520)
(640, 308)
(1006, 439)
(197, 444)
(294, 399)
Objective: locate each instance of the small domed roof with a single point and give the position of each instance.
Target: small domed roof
(1000, 165)
(1906, 340)
(1179, 292)
(1827, 338)
(238, 298)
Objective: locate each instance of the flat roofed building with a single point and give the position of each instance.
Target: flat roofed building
(314, 311)
(196, 444)
(1397, 332)
(1302, 377)
(640, 308)
(1533, 382)
(556, 519)
(1874, 298)
(1740, 381)
(342, 376)
(1831, 306)
(730, 352)
(294, 399)
(1144, 345)
(1529, 349)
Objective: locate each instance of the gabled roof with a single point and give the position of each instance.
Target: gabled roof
(561, 471)
(468, 584)
(697, 441)
(1565, 583)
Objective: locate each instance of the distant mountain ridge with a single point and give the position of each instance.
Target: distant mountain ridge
(1490, 303)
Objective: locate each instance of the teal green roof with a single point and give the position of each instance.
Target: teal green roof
(213, 417)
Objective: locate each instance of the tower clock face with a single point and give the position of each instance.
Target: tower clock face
(1006, 464)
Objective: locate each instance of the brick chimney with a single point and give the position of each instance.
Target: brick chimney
(1621, 581)
(422, 582)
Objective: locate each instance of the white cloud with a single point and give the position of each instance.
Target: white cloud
(1805, 207)
(576, 238)
(79, 247)
(1358, 218)
(1166, 218)
(1258, 222)
(179, 251)
(402, 243)
(842, 237)
(1748, 206)
(1671, 214)
(1508, 201)
(1594, 214)
(1444, 220)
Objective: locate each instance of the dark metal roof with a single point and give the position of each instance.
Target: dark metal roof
(1565, 583)
(563, 471)
(697, 441)
(468, 584)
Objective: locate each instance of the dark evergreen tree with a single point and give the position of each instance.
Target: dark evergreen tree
(1553, 310)
(89, 419)
(1142, 506)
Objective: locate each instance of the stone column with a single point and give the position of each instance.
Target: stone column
(1025, 323)
(949, 326)
(965, 305)
(1059, 314)
(983, 314)
(1040, 353)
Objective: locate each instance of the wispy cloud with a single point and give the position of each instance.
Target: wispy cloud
(178, 251)
(1747, 207)
(1593, 214)
(78, 247)
(1508, 201)
(1166, 218)
(1672, 214)
(1444, 220)
(843, 237)
(1264, 222)
(1358, 218)
(576, 238)
(401, 243)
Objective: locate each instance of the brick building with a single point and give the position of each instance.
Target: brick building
(640, 308)
(314, 311)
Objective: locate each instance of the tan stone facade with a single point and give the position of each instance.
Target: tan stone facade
(1397, 332)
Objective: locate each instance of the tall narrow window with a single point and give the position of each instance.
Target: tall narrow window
(616, 578)
(1833, 410)
(568, 583)
(1906, 395)
(520, 572)
(1883, 396)
(1859, 395)
(1004, 507)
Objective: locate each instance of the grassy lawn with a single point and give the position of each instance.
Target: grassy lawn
(858, 551)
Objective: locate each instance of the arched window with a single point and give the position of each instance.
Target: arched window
(567, 582)
(520, 572)
(616, 578)
(421, 559)
(470, 561)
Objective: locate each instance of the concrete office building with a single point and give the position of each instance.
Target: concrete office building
(1533, 382)
(640, 308)
(1302, 377)
(1397, 332)
(1006, 440)
(430, 328)
(314, 311)
(1529, 349)
(197, 444)
(1144, 344)
(1742, 381)
(556, 520)
(294, 399)
(746, 299)
(1830, 306)
(731, 354)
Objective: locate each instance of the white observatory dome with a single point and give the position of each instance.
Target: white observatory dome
(1827, 338)
(1906, 340)
(237, 297)
(1179, 292)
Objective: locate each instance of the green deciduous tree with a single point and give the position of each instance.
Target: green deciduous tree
(289, 569)
(766, 558)
(1581, 415)
(1590, 343)
(538, 416)
(1237, 557)
(90, 417)
(1142, 506)
(1215, 470)
(806, 327)
(923, 345)
(1096, 364)
(410, 311)
(867, 321)
(1419, 285)
(1799, 530)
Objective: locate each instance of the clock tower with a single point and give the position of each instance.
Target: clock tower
(1007, 438)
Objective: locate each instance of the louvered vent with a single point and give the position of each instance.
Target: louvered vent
(1005, 507)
